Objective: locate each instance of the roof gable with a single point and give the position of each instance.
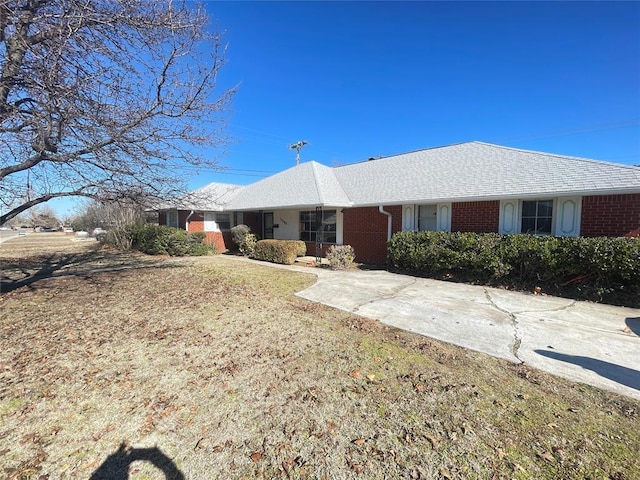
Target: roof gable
(309, 184)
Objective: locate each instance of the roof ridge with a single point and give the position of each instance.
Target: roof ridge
(557, 155)
(314, 168)
(406, 153)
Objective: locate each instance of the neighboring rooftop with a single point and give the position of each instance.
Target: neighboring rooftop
(213, 197)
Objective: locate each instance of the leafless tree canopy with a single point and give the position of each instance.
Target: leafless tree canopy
(103, 98)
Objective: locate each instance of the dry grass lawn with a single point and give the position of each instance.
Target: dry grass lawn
(124, 366)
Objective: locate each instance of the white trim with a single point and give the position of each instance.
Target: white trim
(443, 217)
(566, 215)
(408, 218)
(509, 220)
(569, 213)
(211, 223)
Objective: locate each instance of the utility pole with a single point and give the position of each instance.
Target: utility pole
(297, 147)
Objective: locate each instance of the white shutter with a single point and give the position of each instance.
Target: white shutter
(210, 222)
(568, 216)
(408, 218)
(443, 217)
(509, 216)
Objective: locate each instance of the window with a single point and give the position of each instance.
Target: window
(558, 216)
(172, 219)
(537, 217)
(224, 221)
(327, 229)
(217, 222)
(427, 218)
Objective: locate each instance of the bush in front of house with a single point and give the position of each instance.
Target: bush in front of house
(340, 257)
(158, 240)
(301, 247)
(276, 251)
(244, 239)
(599, 268)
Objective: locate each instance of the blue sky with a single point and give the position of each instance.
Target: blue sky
(365, 79)
(368, 79)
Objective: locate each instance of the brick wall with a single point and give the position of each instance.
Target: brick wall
(610, 215)
(221, 240)
(480, 217)
(365, 229)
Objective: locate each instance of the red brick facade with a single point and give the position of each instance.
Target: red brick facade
(365, 229)
(610, 215)
(220, 240)
(480, 217)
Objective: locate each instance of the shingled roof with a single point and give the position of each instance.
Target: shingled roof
(309, 184)
(468, 171)
(480, 171)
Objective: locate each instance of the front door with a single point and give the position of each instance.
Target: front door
(267, 225)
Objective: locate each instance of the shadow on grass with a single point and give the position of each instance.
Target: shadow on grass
(619, 374)
(25, 272)
(116, 466)
(634, 324)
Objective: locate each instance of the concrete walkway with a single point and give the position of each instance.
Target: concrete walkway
(581, 341)
(584, 342)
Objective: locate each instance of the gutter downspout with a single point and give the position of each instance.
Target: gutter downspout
(186, 222)
(389, 219)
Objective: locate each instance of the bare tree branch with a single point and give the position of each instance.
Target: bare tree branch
(100, 97)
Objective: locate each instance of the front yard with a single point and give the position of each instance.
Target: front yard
(211, 368)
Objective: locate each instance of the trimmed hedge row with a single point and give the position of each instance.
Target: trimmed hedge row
(279, 251)
(600, 268)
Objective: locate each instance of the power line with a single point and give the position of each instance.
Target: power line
(575, 131)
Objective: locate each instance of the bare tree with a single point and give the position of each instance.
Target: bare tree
(104, 99)
(42, 216)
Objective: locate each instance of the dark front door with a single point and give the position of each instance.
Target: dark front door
(267, 225)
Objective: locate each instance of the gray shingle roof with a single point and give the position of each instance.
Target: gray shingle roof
(309, 184)
(462, 172)
(212, 197)
(480, 171)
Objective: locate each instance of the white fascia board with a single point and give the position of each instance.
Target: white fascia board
(288, 207)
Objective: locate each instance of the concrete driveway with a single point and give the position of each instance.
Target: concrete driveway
(581, 341)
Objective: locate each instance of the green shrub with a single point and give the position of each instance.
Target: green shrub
(243, 239)
(158, 240)
(276, 251)
(301, 247)
(340, 256)
(591, 268)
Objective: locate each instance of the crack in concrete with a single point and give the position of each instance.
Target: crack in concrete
(394, 292)
(517, 338)
(559, 309)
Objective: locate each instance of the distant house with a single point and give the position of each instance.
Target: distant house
(467, 187)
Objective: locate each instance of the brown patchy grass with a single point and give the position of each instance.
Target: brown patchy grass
(217, 364)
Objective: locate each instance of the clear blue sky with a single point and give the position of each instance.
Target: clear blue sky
(367, 79)
(364, 79)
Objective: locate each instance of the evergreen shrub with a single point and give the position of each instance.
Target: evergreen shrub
(276, 251)
(598, 268)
